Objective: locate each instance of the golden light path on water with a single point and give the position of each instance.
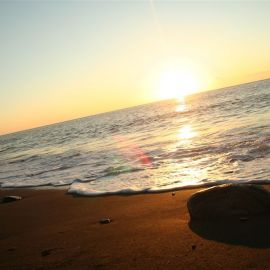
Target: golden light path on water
(186, 132)
(189, 170)
(179, 169)
(182, 107)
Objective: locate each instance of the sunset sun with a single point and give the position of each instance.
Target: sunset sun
(178, 83)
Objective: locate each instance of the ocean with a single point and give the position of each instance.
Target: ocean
(210, 138)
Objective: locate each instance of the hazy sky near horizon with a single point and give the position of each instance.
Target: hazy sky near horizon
(62, 60)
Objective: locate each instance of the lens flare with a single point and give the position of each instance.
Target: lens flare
(132, 152)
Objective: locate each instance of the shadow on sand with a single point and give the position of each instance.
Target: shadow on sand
(253, 232)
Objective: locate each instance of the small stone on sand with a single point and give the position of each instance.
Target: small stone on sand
(8, 199)
(46, 252)
(105, 221)
(243, 219)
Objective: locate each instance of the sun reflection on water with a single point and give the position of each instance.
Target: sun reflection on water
(181, 105)
(186, 132)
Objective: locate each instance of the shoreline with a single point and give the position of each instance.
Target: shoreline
(52, 229)
(265, 183)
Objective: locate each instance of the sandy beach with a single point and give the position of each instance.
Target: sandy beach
(50, 229)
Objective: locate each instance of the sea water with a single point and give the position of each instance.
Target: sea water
(210, 138)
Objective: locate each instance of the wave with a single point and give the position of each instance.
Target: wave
(112, 171)
(24, 184)
(21, 160)
(37, 183)
(85, 187)
(261, 150)
(245, 158)
(92, 189)
(6, 149)
(58, 168)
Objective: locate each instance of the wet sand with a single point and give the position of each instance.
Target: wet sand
(50, 229)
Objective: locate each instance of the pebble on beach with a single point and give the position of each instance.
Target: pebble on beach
(105, 221)
(243, 219)
(46, 252)
(8, 199)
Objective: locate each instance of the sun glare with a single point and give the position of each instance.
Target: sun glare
(177, 83)
(186, 132)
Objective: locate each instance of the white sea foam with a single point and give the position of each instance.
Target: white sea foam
(97, 188)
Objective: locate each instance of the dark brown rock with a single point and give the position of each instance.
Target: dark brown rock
(232, 200)
(8, 199)
(105, 221)
(46, 252)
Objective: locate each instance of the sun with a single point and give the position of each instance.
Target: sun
(177, 83)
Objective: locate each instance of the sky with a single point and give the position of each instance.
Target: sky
(62, 60)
